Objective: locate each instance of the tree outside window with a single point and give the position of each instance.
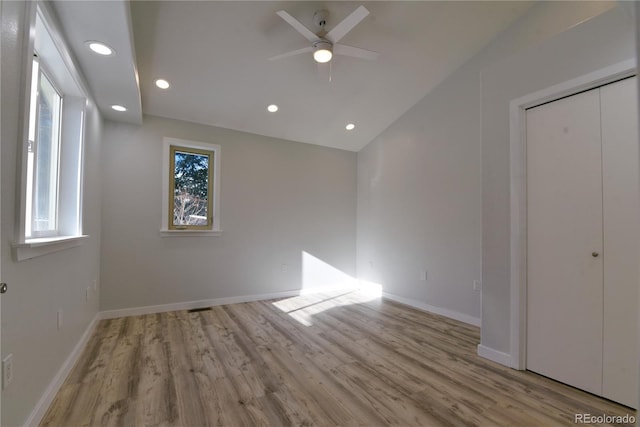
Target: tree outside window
(191, 188)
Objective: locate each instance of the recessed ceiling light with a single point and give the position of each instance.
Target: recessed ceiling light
(162, 84)
(119, 108)
(350, 126)
(272, 108)
(99, 48)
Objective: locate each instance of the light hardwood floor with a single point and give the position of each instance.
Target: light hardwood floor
(318, 360)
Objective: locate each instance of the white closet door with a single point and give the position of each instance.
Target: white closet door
(621, 248)
(564, 228)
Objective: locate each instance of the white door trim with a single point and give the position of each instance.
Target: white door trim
(518, 190)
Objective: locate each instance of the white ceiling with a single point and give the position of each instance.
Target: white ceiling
(113, 79)
(214, 54)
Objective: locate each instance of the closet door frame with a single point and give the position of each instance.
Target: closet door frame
(518, 191)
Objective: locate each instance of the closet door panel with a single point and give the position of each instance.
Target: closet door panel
(564, 228)
(621, 249)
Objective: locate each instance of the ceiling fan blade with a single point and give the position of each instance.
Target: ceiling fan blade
(306, 33)
(291, 53)
(347, 24)
(356, 52)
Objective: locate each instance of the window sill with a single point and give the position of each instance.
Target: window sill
(32, 248)
(185, 233)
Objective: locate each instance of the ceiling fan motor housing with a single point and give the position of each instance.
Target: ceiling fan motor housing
(322, 44)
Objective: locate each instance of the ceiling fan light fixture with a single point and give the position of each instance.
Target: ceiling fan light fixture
(322, 51)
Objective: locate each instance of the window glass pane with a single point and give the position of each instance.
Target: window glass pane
(46, 149)
(191, 188)
(33, 108)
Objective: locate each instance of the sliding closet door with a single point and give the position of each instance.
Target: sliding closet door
(564, 241)
(621, 248)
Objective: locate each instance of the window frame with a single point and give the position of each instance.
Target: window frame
(173, 149)
(43, 34)
(30, 229)
(170, 146)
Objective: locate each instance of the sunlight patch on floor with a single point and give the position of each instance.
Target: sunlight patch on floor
(303, 308)
(325, 287)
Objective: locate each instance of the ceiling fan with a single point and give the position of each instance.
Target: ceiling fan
(325, 44)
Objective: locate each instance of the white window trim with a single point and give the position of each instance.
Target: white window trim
(45, 245)
(26, 248)
(164, 227)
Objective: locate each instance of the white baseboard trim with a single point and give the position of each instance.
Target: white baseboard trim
(465, 318)
(495, 355)
(50, 392)
(189, 305)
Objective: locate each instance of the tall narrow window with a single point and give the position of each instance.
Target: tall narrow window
(43, 156)
(52, 151)
(191, 186)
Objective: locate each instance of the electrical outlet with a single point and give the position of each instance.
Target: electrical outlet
(423, 275)
(7, 371)
(59, 319)
(284, 268)
(477, 285)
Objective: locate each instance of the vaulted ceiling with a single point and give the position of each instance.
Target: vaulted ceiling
(215, 56)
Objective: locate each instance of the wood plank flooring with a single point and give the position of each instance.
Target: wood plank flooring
(317, 360)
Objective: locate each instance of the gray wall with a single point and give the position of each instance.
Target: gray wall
(278, 199)
(420, 182)
(40, 286)
(600, 42)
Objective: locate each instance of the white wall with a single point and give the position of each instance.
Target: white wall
(278, 199)
(40, 286)
(420, 181)
(419, 201)
(602, 41)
